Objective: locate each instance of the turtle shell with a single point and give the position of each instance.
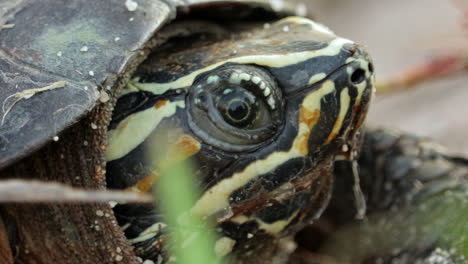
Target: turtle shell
(58, 59)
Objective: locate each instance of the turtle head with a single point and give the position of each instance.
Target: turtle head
(262, 115)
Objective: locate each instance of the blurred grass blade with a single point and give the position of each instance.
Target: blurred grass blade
(175, 195)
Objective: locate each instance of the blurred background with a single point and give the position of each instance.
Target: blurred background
(400, 34)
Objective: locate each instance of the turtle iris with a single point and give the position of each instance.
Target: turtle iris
(237, 106)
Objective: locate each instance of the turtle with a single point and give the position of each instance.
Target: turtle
(268, 106)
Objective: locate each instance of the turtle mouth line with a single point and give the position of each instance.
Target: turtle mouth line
(303, 183)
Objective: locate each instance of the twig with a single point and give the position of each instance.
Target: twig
(5, 26)
(437, 67)
(32, 191)
(26, 94)
(359, 198)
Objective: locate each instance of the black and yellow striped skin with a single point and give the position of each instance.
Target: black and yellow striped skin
(275, 175)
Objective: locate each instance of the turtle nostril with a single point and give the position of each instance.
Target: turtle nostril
(371, 68)
(358, 76)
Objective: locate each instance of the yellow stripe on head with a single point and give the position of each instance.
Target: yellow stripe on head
(344, 106)
(183, 148)
(216, 198)
(132, 131)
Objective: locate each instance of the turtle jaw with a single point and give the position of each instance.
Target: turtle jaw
(353, 86)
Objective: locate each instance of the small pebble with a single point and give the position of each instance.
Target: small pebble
(56, 138)
(103, 97)
(84, 49)
(131, 5)
(7, 26)
(345, 148)
(59, 54)
(99, 213)
(91, 73)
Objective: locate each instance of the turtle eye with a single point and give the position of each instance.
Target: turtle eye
(235, 107)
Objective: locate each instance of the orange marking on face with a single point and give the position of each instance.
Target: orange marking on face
(144, 185)
(185, 146)
(361, 119)
(334, 130)
(123, 125)
(160, 103)
(359, 110)
(309, 118)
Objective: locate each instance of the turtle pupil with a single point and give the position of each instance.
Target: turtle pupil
(238, 110)
(237, 106)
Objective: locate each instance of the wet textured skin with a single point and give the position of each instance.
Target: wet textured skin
(266, 180)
